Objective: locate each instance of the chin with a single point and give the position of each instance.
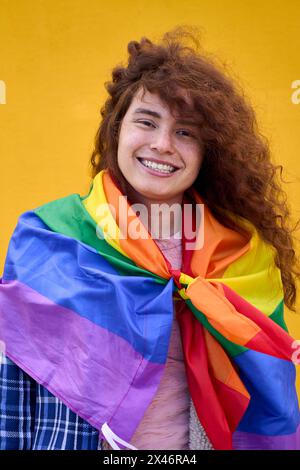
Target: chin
(152, 196)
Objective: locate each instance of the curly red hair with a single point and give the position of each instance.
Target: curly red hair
(237, 174)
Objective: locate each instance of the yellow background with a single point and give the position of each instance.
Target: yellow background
(56, 55)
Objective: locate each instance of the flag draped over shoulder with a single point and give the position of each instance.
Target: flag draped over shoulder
(88, 314)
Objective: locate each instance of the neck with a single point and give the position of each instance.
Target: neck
(162, 217)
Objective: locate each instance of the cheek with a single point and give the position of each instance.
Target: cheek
(129, 143)
(193, 159)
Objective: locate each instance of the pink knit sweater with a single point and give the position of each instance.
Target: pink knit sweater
(165, 424)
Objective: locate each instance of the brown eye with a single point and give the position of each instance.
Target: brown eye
(185, 133)
(146, 123)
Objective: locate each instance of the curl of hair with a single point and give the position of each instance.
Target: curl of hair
(237, 175)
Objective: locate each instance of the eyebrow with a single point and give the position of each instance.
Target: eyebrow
(155, 114)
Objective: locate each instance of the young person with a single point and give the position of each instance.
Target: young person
(149, 313)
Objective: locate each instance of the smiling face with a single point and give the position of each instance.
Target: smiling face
(159, 154)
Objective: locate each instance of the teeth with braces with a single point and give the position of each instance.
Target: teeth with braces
(158, 166)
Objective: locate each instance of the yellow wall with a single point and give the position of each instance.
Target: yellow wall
(56, 55)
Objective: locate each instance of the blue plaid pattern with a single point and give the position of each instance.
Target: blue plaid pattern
(31, 418)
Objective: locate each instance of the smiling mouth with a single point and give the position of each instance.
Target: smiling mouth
(160, 167)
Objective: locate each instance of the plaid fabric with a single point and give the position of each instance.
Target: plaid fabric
(31, 418)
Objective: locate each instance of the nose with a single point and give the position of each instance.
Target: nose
(162, 142)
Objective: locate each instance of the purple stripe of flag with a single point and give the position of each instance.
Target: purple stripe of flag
(95, 372)
(251, 441)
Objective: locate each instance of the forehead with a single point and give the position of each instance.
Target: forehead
(148, 98)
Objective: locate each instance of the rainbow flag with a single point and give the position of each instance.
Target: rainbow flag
(88, 314)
